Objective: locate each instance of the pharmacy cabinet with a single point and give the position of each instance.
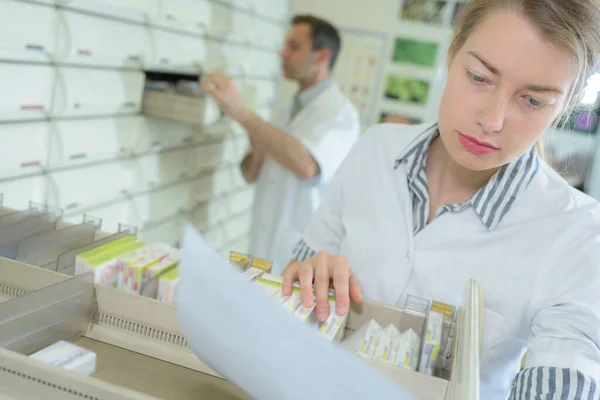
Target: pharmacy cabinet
(27, 32)
(138, 11)
(152, 134)
(189, 16)
(161, 169)
(158, 205)
(223, 181)
(80, 141)
(176, 52)
(94, 92)
(168, 232)
(28, 150)
(89, 187)
(19, 192)
(89, 40)
(30, 88)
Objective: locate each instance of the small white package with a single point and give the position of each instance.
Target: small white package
(69, 356)
(405, 353)
(388, 342)
(333, 327)
(364, 341)
(431, 342)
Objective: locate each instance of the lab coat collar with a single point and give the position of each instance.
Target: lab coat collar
(491, 202)
(329, 101)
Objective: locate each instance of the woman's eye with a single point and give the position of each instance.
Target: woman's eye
(535, 103)
(476, 78)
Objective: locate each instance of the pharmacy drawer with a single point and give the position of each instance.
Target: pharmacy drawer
(30, 88)
(159, 205)
(241, 200)
(201, 189)
(172, 51)
(90, 40)
(45, 2)
(206, 156)
(27, 32)
(237, 226)
(89, 92)
(221, 23)
(190, 16)
(211, 213)
(130, 10)
(161, 169)
(28, 149)
(223, 181)
(243, 26)
(87, 187)
(18, 193)
(84, 141)
(168, 232)
(160, 133)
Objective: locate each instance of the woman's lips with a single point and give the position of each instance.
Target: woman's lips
(476, 146)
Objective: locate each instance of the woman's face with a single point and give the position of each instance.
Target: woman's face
(505, 87)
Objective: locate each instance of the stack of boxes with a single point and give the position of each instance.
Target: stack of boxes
(129, 264)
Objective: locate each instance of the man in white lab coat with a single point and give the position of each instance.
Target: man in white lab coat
(293, 159)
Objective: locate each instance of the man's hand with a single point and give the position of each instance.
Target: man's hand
(227, 96)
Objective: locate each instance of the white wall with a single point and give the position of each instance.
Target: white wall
(71, 128)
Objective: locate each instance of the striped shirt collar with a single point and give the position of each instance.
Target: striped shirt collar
(491, 203)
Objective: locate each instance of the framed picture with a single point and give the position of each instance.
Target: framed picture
(428, 11)
(415, 52)
(407, 89)
(399, 119)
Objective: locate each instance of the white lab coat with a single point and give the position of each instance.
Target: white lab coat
(284, 203)
(540, 268)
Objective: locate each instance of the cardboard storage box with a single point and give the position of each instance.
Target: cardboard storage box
(142, 354)
(174, 106)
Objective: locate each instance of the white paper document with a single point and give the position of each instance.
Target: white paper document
(237, 330)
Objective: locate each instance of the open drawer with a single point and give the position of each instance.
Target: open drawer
(142, 352)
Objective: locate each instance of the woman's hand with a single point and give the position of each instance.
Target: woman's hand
(323, 270)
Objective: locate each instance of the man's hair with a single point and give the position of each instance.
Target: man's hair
(323, 34)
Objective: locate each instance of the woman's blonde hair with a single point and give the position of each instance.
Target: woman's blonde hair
(573, 25)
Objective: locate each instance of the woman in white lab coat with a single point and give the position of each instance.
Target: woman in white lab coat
(422, 209)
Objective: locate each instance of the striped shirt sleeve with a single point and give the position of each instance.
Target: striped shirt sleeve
(549, 383)
(302, 251)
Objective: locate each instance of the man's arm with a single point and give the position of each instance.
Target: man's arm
(251, 165)
(289, 152)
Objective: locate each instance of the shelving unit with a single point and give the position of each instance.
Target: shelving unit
(73, 128)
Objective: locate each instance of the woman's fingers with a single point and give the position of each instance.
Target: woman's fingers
(322, 285)
(290, 275)
(341, 285)
(356, 294)
(306, 275)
